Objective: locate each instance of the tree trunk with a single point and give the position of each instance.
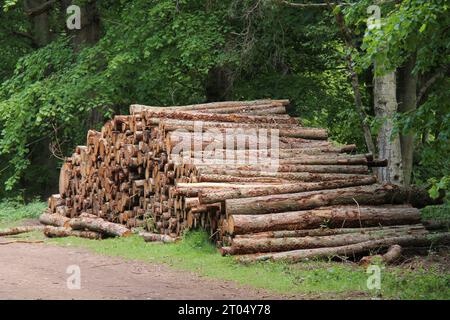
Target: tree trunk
(389, 147)
(407, 103)
(40, 22)
(339, 216)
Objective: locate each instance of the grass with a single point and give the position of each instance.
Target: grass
(13, 212)
(314, 279)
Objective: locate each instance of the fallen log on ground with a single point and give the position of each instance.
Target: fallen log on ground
(324, 231)
(100, 225)
(60, 232)
(54, 220)
(154, 237)
(351, 250)
(392, 255)
(249, 245)
(19, 230)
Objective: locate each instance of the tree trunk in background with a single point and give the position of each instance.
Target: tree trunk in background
(407, 95)
(39, 23)
(389, 147)
(218, 84)
(89, 34)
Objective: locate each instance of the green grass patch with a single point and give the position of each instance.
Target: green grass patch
(13, 212)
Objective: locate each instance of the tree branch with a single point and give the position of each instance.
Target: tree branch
(40, 9)
(440, 72)
(307, 5)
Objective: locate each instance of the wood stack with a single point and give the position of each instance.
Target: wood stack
(249, 174)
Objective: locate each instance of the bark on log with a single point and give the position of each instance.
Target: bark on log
(324, 232)
(236, 118)
(54, 220)
(351, 250)
(340, 216)
(154, 237)
(19, 230)
(364, 195)
(100, 225)
(248, 245)
(243, 175)
(60, 232)
(393, 254)
(213, 168)
(136, 108)
(213, 196)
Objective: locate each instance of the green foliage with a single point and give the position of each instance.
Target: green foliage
(419, 29)
(15, 209)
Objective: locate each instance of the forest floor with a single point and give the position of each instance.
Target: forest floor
(129, 268)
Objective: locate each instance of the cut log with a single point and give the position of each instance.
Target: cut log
(100, 225)
(248, 245)
(19, 230)
(339, 216)
(154, 237)
(325, 232)
(351, 250)
(136, 108)
(392, 255)
(54, 220)
(60, 232)
(365, 195)
(212, 196)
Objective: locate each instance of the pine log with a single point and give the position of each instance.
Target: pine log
(19, 230)
(364, 195)
(213, 168)
(136, 108)
(60, 232)
(351, 250)
(236, 118)
(212, 196)
(249, 245)
(100, 225)
(339, 216)
(245, 175)
(393, 254)
(326, 231)
(154, 237)
(54, 220)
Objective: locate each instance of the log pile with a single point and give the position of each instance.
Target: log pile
(248, 173)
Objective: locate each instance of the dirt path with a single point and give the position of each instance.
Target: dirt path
(38, 271)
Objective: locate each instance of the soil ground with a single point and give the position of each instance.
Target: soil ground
(38, 271)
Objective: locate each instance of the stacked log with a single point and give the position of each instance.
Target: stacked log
(248, 173)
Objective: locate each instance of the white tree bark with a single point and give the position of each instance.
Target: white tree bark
(389, 146)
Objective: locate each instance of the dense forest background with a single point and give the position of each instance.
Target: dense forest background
(380, 81)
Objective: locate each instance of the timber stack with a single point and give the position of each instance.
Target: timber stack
(263, 185)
